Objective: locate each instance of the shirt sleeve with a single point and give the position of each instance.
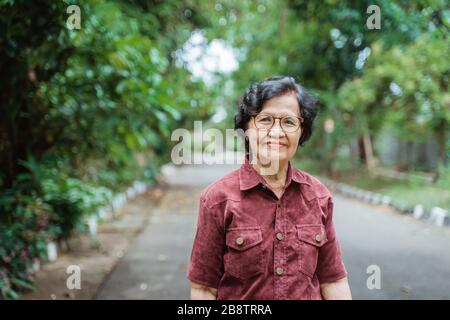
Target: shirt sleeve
(330, 266)
(206, 260)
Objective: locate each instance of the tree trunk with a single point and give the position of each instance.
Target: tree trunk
(368, 151)
(442, 147)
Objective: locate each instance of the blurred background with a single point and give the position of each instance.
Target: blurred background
(86, 112)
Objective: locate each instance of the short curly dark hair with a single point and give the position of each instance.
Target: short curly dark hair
(258, 93)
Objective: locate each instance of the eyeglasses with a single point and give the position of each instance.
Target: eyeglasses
(288, 123)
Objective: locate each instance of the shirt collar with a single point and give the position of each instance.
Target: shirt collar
(249, 178)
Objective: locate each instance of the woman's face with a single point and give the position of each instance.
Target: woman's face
(274, 146)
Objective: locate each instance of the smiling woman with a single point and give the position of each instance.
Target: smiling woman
(265, 231)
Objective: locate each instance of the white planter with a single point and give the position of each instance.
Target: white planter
(36, 266)
(122, 199)
(103, 213)
(52, 251)
(140, 187)
(437, 216)
(367, 196)
(131, 193)
(92, 225)
(386, 200)
(418, 211)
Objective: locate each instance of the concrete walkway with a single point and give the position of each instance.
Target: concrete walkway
(413, 257)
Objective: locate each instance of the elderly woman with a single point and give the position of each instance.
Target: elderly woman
(265, 231)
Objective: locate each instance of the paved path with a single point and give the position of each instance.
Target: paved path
(413, 257)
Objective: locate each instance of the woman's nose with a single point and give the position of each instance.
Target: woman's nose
(276, 129)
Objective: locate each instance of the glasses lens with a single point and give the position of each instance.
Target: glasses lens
(290, 124)
(263, 121)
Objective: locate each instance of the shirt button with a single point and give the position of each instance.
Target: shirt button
(279, 236)
(280, 271)
(239, 241)
(318, 237)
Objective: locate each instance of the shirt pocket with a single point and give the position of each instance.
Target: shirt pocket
(310, 237)
(243, 258)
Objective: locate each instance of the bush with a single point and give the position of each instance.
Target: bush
(40, 207)
(84, 114)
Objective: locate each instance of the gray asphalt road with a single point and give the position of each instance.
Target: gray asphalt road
(413, 257)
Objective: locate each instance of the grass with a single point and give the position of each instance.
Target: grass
(406, 192)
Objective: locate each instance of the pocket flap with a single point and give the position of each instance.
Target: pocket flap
(243, 238)
(312, 233)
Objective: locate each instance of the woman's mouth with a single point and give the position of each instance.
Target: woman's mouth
(275, 145)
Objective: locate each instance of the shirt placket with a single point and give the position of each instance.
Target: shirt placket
(279, 257)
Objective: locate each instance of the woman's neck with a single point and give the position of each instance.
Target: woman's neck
(277, 178)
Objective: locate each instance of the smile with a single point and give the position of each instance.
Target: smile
(276, 145)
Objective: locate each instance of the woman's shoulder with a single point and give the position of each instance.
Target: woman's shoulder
(223, 189)
(312, 187)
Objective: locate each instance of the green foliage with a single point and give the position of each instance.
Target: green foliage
(84, 114)
(406, 88)
(326, 46)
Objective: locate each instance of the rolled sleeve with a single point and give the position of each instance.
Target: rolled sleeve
(206, 260)
(330, 266)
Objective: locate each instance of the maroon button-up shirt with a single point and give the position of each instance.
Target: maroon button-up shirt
(251, 245)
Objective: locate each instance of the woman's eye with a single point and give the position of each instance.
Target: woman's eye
(290, 121)
(265, 120)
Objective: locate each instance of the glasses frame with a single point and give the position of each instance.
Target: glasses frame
(279, 118)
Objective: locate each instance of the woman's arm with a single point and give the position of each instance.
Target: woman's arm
(201, 292)
(338, 290)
